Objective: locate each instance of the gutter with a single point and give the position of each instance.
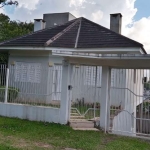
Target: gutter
(117, 50)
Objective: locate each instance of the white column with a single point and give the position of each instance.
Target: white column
(105, 98)
(6, 88)
(65, 104)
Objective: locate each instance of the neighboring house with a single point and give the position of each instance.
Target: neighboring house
(32, 57)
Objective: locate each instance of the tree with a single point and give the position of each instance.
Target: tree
(11, 29)
(147, 85)
(10, 2)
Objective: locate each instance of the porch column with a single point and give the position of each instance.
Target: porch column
(65, 104)
(105, 96)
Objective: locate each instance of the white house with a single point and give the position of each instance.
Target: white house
(35, 60)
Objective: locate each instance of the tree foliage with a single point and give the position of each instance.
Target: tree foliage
(11, 29)
(147, 85)
(10, 2)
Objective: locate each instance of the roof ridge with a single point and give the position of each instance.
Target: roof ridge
(78, 34)
(54, 38)
(32, 33)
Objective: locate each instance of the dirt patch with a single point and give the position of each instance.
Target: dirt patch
(105, 140)
(70, 149)
(20, 144)
(43, 145)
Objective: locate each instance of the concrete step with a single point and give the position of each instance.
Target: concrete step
(111, 121)
(86, 129)
(82, 124)
(74, 114)
(77, 117)
(73, 111)
(79, 120)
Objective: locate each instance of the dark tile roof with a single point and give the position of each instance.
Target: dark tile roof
(78, 33)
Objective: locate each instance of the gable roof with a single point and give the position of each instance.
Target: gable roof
(78, 33)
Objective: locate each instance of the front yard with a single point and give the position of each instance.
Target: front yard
(18, 134)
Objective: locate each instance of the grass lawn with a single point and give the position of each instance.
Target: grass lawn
(18, 134)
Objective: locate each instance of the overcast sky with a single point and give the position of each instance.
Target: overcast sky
(136, 13)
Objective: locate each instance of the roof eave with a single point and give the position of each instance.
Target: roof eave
(144, 51)
(116, 50)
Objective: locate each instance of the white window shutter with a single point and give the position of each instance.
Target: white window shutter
(28, 72)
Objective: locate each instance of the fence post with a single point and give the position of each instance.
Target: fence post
(105, 96)
(6, 88)
(95, 88)
(64, 107)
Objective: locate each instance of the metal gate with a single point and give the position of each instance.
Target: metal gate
(85, 95)
(130, 102)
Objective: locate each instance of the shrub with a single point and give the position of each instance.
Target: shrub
(12, 93)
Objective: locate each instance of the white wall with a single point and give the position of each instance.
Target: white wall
(32, 113)
(71, 17)
(83, 83)
(41, 92)
(28, 87)
(84, 86)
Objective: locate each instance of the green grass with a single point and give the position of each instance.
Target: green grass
(18, 134)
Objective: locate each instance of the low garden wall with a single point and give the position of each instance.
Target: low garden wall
(32, 113)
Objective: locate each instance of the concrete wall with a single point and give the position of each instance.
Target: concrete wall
(71, 17)
(57, 19)
(33, 113)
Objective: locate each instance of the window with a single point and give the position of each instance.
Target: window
(90, 75)
(93, 75)
(28, 72)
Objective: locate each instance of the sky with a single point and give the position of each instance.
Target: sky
(136, 13)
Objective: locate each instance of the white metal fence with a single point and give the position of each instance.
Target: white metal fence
(40, 86)
(85, 96)
(130, 102)
(3, 71)
(32, 85)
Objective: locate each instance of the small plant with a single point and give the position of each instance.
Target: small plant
(97, 105)
(12, 93)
